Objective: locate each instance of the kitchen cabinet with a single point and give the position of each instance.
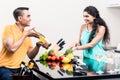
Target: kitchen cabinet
(113, 3)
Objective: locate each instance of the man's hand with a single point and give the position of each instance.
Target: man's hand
(45, 45)
(31, 33)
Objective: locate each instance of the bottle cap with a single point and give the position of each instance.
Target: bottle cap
(26, 63)
(31, 65)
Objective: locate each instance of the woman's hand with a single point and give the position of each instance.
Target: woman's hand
(72, 45)
(74, 48)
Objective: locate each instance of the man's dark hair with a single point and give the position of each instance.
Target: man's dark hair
(18, 12)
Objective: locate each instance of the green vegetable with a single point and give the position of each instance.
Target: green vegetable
(68, 51)
(69, 72)
(44, 56)
(44, 63)
(50, 51)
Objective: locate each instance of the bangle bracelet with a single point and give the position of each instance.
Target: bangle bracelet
(76, 44)
(76, 47)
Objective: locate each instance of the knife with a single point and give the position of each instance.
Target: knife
(59, 41)
(61, 45)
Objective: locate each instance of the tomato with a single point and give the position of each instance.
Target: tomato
(53, 58)
(57, 58)
(52, 54)
(49, 63)
(61, 58)
(49, 57)
(52, 66)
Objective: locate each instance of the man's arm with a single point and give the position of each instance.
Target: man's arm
(32, 52)
(12, 46)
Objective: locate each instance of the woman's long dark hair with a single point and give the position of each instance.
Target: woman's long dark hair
(97, 21)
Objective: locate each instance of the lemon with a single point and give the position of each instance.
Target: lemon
(66, 60)
(70, 56)
(70, 68)
(66, 66)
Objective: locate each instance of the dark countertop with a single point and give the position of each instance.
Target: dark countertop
(110, 48)
(53, 73)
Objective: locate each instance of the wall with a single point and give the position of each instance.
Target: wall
(60, 18)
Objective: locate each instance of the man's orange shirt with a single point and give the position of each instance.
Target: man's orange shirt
(9, 59)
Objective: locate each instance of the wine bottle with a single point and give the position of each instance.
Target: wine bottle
(29, 69)
(21, 71)
(25, 69)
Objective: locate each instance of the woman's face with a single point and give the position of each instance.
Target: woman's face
(88, 18)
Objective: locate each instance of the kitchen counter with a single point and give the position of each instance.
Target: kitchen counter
(110, 48)
(58, 71)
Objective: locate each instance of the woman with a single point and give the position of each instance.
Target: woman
(92, 34)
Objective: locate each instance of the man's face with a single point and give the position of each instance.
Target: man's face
(25, 18)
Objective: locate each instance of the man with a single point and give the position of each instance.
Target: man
(16, 44)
